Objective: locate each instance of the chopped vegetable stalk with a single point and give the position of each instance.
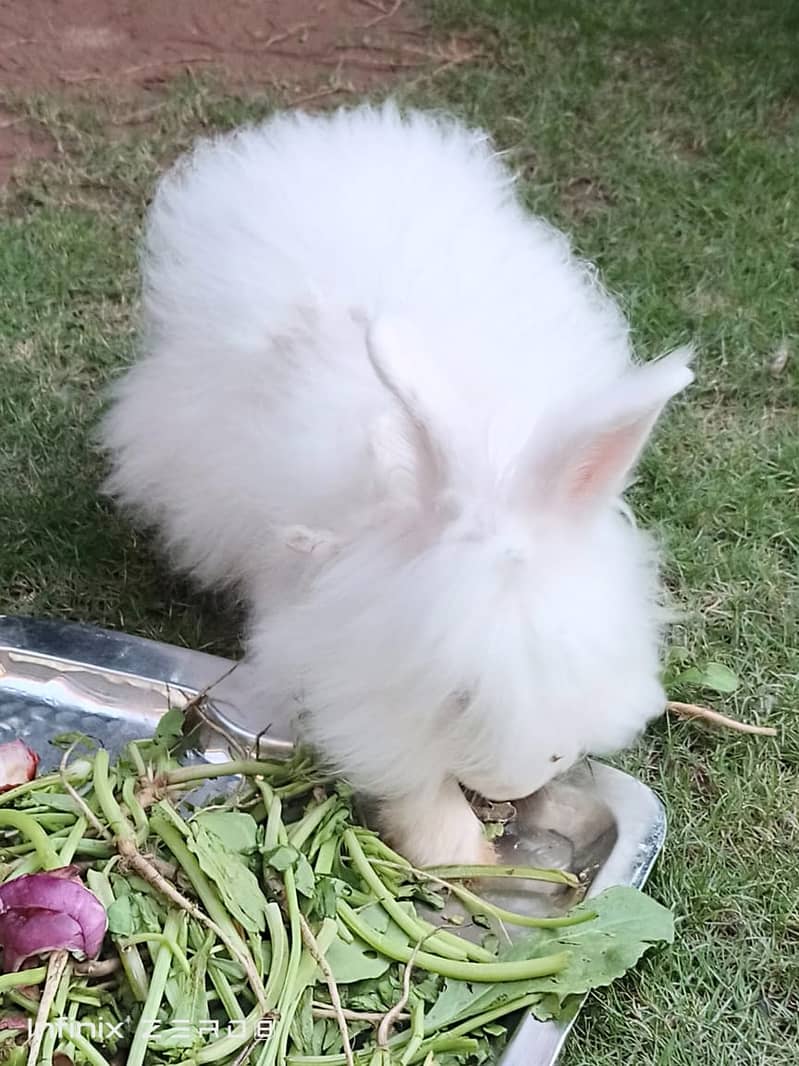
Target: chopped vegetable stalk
(266, 926)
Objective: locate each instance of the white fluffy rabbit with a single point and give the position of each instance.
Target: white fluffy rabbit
(394, 412)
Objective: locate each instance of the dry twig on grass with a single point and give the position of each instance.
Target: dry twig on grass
(691, 710)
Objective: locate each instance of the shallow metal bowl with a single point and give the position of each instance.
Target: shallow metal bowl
(57, 677)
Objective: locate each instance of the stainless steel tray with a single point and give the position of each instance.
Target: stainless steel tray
(56, 677)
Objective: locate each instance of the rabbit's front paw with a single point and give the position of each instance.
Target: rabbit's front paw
(439, 830)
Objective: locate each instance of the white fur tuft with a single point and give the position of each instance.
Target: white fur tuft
(433, 630)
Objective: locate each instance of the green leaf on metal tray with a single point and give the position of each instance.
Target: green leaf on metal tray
(236, 883)
(628, 923)
(236, 829)
(169, 729)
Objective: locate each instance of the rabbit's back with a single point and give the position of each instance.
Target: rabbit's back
(364, 209)
(255, 387)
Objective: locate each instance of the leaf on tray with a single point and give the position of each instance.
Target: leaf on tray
(628, 923)
(62, 741)
(237, 884)
(236, 829)
(326, 893)
(550, 1006)
(304, 879)
(56, 801)
(169, 729)
(132, 913)
(356, 961)
(282, 857)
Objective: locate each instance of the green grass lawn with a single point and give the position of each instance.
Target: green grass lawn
(665, 138)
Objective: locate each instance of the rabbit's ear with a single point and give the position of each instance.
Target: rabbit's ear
(581, 460)
(400, 365)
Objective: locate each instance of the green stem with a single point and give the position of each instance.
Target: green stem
(226, 994)
(136, 758)
(292, 906)
(222, 1049)
(74, 838)
(287, 993)
(22, 978)
(326, 856)
(455, 1045)
(449, 947)
(274, 824)
(87, 1049)
(137, 812)
(299, 788)
(25, 848)
(529, 873)
(78, 773)
(436, 1043)
(515, 970)
(59, 1005)
(94, 849)
(478, 905)
(31, 829)
(30, 1006)
(163, 940)
(206, 771)
(329, 831)
(305, 827)
(374, 844)
(130, 958)
(417, 1030)
(52, 821)
(279, 964)
(31, 864)
(117, 821)
(149, 1014)
(277, 1046)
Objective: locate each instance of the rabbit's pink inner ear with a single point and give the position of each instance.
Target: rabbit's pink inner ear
(599, 469)
(573, 463)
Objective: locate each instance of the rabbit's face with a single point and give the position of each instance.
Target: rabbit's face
(490, 624)
(548, 633)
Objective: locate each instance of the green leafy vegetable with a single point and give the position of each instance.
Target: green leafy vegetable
(169, 730)
(237, 884)
(218, 917)
(236, 830)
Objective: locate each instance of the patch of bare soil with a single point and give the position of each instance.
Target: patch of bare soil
(54, 44)
(313, 52)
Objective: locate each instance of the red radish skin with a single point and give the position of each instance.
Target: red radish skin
(18, 764)
(45, 912)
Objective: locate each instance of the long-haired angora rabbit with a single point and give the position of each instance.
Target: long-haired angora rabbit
(393, 412)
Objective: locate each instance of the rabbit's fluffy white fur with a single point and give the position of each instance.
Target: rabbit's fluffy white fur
(395, 413)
